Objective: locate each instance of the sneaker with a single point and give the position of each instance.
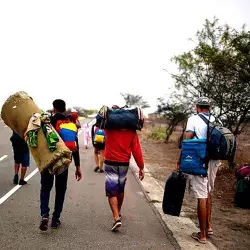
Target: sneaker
(101, 171)
(116, 225)
(44, 224)
(22, 182)
(55, 223)
(96, 169)
(15, 180)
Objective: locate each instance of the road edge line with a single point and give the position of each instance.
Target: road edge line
(14, 189)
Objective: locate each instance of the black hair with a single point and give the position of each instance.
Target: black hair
(203, 107)
(59, 105)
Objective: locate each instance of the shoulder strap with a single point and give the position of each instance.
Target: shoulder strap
(205, 119)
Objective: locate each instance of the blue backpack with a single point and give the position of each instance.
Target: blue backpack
(194, 157)
(221, 141)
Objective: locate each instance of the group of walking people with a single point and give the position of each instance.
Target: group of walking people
(113, 149)
(112, 152)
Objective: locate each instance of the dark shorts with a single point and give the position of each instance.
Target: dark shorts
(99, 146)
(115, 179)
(21, 155)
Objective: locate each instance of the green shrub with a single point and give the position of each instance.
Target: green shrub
(157, 133)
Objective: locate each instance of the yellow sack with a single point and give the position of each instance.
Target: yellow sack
(99, 139)
(16, 113)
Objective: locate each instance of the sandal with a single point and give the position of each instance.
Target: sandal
(196, 236)
(210, 233)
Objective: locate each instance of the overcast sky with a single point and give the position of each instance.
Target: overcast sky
(88, 52)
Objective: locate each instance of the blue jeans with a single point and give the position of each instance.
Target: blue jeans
(46, 185)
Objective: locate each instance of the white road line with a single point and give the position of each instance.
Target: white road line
(13, 190)
(3, 157)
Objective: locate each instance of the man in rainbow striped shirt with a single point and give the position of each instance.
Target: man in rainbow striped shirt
(61, 180)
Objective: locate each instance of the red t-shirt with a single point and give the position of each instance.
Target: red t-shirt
(120, 144)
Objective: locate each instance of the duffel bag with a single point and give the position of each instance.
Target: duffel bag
(242, 193)
(120, 118)
(243, 172)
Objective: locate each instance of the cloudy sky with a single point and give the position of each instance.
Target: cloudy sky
(88, 52)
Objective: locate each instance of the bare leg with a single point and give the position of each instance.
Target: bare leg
(23, 172)
(101, 158)
(120, 202)
(113, 202)
(202, 215)
(209, 213)
(96, 157)
(17, 167)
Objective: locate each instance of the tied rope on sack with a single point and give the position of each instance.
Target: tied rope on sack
(42, 121)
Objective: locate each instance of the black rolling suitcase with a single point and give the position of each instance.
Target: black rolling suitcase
(174, 194)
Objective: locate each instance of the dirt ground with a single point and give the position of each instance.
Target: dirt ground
(231, 225)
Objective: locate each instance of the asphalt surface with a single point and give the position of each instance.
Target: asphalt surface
(86, 218)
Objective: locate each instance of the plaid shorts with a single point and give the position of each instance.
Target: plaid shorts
(115, 179)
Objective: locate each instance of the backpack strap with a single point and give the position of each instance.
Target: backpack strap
(207, 121)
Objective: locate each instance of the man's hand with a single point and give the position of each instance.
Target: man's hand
(141, 174)
(178, 165)
(78, 173)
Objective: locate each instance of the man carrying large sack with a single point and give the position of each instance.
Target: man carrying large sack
(65, 129)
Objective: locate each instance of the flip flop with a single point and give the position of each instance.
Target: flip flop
(196, 236)
(210, 233)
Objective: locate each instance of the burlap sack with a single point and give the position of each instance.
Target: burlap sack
(16, 113)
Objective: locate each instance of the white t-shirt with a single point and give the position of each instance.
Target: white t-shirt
(196, 125)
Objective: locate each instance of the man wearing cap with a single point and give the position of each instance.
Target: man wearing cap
(200, 186)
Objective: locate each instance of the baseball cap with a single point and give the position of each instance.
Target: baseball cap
(203, 101)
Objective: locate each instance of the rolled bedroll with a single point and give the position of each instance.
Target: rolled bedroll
(16, 113)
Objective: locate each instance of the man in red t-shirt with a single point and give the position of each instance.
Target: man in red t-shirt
(119, 146)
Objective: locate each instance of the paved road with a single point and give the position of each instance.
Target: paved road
(86, 219)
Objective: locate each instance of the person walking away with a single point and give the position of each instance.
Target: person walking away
(75, 118)
(86, 134)
(21, 157)
(119, 147)
(47, 179)
(200, 186)
(98, 141)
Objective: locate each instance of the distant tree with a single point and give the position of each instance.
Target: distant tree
(92, 111)
(174, 113)
(50, 111)
(219, 67)
(68, 111)
(135, 100)
(81, 111)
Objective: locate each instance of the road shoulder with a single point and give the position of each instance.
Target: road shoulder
(180, 227)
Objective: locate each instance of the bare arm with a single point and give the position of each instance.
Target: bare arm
(189, 135)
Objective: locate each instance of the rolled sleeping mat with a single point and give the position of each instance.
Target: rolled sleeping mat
(16, 113)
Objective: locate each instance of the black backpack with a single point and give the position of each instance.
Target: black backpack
(221, 141)
(242, 193)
